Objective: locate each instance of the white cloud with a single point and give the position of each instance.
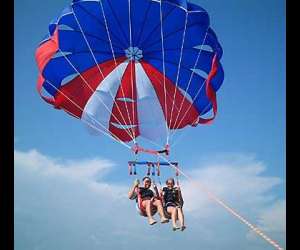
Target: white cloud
(74, 199)
(234, 180)
(85, 171)
(272, 219)
(82, 169)
(242, 183)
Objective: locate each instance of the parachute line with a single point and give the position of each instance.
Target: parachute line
(114, 57)
(190, 80)
(115, 138)
(198, 92)
(164, 67)
(178, 70)
(144, 21)
(116, 18)
(171, 34)
(150, 52)
(87, 43)
(90, 49)
(99, 21)
(185, 131)
(98, 98)
(143, 44)
(131, 64)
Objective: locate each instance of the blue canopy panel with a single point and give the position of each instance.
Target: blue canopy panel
(59, 68)
(199, 47)
(95, 18)
(152, 23)
(194, 35)
(178, 3)
(83, 37)
(52, 26)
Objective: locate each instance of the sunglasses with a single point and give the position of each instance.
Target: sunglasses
(169, 183)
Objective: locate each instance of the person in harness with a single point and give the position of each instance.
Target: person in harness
(173, 203)
(148, 203)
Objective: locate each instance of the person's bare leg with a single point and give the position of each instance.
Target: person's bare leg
(173, 212)
(147, 205)
(160, 210)
(181, 218)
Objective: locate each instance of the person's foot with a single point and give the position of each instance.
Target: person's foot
(182, 228)
(152, 222)
(175, 228)
(164, 220)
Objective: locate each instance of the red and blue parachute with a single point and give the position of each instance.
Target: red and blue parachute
(132, 68)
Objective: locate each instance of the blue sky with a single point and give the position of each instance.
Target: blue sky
(245, 144)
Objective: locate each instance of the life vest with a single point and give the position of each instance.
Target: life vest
(142, 193)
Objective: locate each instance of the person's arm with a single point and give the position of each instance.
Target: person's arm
(131, 192)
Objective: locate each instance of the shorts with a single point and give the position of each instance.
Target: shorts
(172, 204)
(143, 213)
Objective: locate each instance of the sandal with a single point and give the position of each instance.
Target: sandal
(164, 220)
(152, 222)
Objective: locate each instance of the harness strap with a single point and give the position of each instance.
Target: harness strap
(130, 168)
(148, 170)
(140, 201)
(158, 169)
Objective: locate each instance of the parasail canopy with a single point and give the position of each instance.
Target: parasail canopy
(132, 68)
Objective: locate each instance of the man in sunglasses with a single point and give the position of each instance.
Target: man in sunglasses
(147, 203)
